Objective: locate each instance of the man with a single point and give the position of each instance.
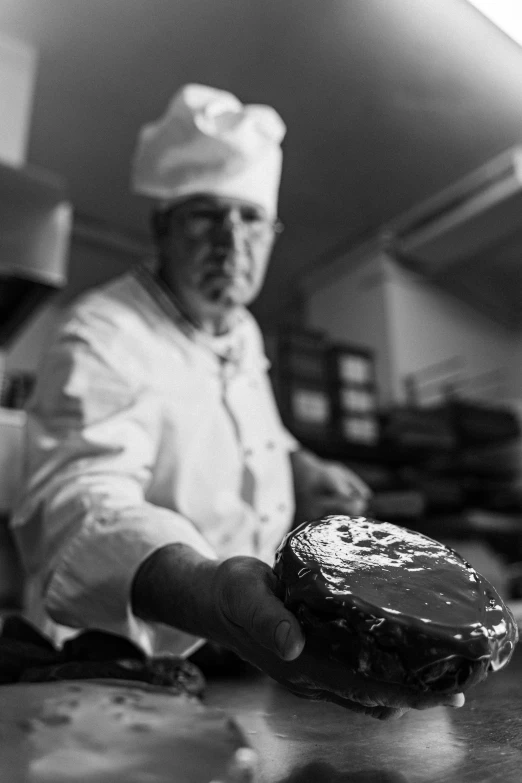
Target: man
(160, 478)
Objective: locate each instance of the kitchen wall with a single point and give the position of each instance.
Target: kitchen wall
(430, 326)
(352, 306)
(413, 326)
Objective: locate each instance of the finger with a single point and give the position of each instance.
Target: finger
(340, 504)
(272, 625)
(397, 696)
(359, 506)
(358, 484)
(381, 708)
(243, 767)
(379, 711)
(456, 700)
(347, 684)
(346, 482)
(254, 607)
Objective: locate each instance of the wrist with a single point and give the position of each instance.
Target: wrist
(174, 586)
(203, 598)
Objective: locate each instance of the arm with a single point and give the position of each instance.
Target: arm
(111, 557)
(178, 586)
(323, 487)
(235, 603)
(94, 429)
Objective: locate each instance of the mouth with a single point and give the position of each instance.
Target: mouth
(221, 278)
(226, 270)
(218, 286)
(223, 275)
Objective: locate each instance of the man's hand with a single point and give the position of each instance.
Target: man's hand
(235, 604)
(250, 619)
(323, 487)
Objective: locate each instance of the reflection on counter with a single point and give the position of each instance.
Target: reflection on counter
(322, 772)
(299, 741)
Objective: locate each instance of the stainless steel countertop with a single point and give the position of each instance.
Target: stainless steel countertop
(106, 731)
(312, 742)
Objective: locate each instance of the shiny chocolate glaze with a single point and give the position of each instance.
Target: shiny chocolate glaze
(394, 604)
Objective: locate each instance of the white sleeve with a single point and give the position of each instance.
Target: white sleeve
(93, 434)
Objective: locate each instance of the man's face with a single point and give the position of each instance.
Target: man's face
(215, 253)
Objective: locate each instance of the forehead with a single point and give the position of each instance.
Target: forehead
(212, 201)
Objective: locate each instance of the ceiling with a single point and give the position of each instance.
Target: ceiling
(385, 101)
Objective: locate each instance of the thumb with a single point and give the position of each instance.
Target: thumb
(254, 606)
(272, 625)
(289, 639)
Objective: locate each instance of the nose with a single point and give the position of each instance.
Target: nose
(231, 232)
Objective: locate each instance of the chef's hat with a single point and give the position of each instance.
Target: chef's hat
(209, 142)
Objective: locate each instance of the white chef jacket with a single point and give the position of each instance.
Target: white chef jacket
(144, 432)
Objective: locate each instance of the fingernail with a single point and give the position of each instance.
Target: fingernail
(281, 637)
(243, 766)
(456, 701)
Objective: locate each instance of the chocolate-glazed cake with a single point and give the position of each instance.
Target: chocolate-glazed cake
(393, 605)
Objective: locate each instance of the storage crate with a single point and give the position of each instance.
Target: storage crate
(354, 394)
(299, 371)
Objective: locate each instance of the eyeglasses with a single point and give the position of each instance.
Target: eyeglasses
(204, 222)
